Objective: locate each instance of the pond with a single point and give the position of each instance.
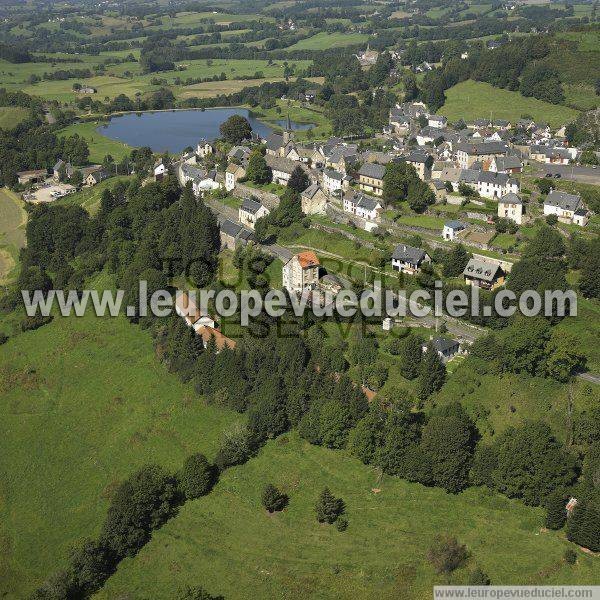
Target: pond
(175, 130)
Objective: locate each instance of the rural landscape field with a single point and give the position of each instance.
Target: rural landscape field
(299, 298)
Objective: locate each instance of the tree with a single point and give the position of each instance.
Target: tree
(420, 196)
(448, 440)
(197, 476)
(235, 447)
(564, 358)
(446, 554)
(410, 356)
(367, 436)
(328, 507)
(542, 82)
(141, 503)
(235, 129)
(589, 283)
(258, 171)
(92, 563)
(272, 499)
(455, 261)
(583, 526)
(298, 180)
(334, 424)
(556, 514)
(432, 373)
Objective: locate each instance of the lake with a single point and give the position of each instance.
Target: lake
(175, 130)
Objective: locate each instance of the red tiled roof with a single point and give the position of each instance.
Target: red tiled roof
(308, 259)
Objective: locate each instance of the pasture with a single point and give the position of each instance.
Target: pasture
(470, 100)
(229, 544)
(84, 403)
(11, 116)
(98, 144)
(322, 41)
(13, 219)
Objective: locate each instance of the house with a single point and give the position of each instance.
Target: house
(510, 206)
(445, 348)
(221, 341)
(409, 259)
(87, 90)
(437, 121)
(314, 200)
(232, 235)
(567, 207)
(362, 206)
(370, 178)
(506, 164)
(61, 166)
(422, 163)
(281, 145)
(495, 185)
(186, 308)
(334, 181)
(550, 155)
(250, 211)
(452, 228)
(202, 180)
(483, 274)
(95, 176)
(34, 176)
(341, 157)
(233, 173)
(439, 189)
(301, 272)
(160, 170)
(468, 153)
(368, 57)
(399, 121)
(310, 95)
(282, 168)
(204, 148)
(239, 154)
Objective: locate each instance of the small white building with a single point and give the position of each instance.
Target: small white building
(452, 229)
(567, 207)
(232, 174)
(160, 170)
(408, 259)
(495, 185)
(362, 206)
(301, 272)
(204, 149)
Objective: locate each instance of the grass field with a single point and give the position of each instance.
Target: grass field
(89, 197)
(10, 116)
(98, 144)
(84, 403)
(12, 233)
(230, 545)
(322, 41)
(470, 100)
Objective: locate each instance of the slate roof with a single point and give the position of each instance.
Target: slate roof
(455, 225)
(508, 162)
(493, 178)
(479, 269)
(443, 345)
(274, 142)
(236, 231)
(417, 157)
(408, 254)
(482, 148)
(372, 170)
(331, 174)
(311, 190)
(563, 200)
(251, 206)
(510, 198)
(363, 201)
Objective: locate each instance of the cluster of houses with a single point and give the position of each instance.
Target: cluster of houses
(92, 174)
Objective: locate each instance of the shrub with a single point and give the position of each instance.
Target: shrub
(446, 554)
(478, 577)
(197, 477)
(273, 500)
(3, 338)
(556, 514)
(235, 448)
(570, 556)
(341, 524)
(35, 322)
(551, 219)
(328, 507)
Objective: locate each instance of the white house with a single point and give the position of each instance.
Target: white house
(250, 211)
(160, 170)
(437, 121)
(204, 149)
(452, 228)
(362, 206)
(301, 272)
(334, 181)
(409, 259)
(232, 174)
(495, 185)
(510, 206)
(567, 207)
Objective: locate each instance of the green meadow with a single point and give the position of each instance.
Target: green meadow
(322, 41)
(99, 144)
(10, 116)
(83, 403)
(470, 100)
(12, 232)
(230, 545)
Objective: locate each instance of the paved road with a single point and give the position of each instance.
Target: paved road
(569, 172)
(591, 377)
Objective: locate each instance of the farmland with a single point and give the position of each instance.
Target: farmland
(12, 232)
(471, 100)
(98, 144)
(10, 116)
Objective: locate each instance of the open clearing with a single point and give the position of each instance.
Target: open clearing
(471, 100)
(13, 219)
(99, 144)
(87, 393)
(11, 116)
(229, 544)
(322, 41)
